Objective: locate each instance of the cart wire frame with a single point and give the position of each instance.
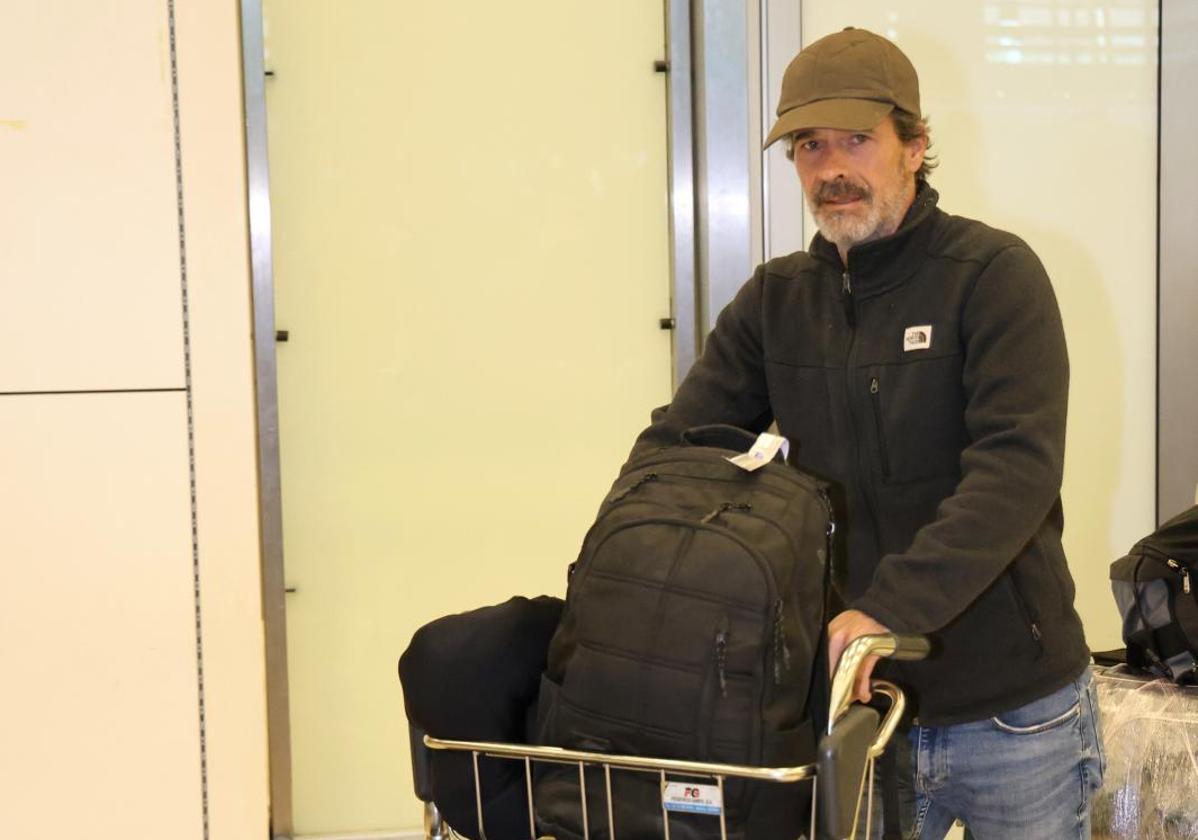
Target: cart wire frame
(841, 699)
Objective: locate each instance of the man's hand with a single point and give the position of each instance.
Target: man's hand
(846, 627)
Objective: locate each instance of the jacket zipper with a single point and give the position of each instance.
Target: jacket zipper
(846, 297)
(875, 388)
(850, 311)
(1021, 605)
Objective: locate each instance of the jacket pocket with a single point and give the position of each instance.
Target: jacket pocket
(917, 408)
(875, 398)
(1023, 608)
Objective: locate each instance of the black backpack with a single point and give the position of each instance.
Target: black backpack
(693, 629)
(1156, 588)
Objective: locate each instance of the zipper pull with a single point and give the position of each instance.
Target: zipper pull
(721, 655)
(873, 386)
(1185, 573)
(640, 482)
(781, 649)
(846, 296)
(723, 508)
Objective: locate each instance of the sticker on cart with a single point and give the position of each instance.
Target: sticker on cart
(692, 798)
(763, 451)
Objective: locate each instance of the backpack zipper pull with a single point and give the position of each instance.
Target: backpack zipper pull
(1185, 574)
(781, 649)
(721, 656)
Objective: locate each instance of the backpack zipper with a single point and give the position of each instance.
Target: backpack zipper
(724, 508)
(1183, 571)
(637, 485)
(721, 655)
(781, 649)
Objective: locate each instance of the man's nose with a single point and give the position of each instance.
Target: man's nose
(833, 164)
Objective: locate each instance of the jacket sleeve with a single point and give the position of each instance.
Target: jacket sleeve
(727, 384)
(1016, 382)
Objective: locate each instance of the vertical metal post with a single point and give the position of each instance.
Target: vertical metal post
(680, 121)
(478, 798)
(719, 780)
(1177, 298)
(582, 794)
(611, 822)
(532, 817)
(722, 172)
(665, 812)
(270, 514)
(782, 196)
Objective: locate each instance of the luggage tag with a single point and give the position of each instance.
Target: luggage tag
(691, 798)
(762, 452)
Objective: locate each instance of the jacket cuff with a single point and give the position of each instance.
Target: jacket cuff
(879, 613)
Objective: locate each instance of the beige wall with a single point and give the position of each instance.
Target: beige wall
(471, 257)
(116, 591)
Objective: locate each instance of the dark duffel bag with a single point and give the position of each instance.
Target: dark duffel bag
(474, 677)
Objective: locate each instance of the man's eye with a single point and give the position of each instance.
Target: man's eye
(809, 145)
(858, 139)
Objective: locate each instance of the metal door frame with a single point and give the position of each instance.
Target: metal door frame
(1177, 261)
(270, 505)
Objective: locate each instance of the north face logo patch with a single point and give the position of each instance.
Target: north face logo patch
(917, 338)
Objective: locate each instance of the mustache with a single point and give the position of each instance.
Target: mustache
(842, 190)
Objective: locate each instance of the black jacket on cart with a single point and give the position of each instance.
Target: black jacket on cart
(928, 378)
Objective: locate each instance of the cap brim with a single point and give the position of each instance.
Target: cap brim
(843, 114)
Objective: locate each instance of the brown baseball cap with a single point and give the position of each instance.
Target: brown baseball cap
(849, 80)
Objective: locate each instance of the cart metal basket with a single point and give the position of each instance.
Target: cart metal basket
(842, 776)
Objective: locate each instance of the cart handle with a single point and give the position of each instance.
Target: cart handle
(892, 645)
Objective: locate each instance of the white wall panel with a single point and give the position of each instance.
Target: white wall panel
(99, 715)
(89, 256)
(1044, 118)
(222, 381)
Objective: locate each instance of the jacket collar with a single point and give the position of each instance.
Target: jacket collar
(876, 266)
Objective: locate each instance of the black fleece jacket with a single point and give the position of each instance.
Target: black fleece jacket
(928, 379)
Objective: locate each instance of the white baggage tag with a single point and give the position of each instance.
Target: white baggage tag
(692, 798)
(762, 452)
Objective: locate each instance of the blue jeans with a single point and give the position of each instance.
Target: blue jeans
(1027, 774)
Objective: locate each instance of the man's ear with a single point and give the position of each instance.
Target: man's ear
(915, 151)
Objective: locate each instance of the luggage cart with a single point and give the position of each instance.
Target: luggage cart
(842, 775)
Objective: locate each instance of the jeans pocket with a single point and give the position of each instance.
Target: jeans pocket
(1055, 710)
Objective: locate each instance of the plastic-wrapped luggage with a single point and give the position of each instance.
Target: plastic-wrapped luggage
(1150, 732)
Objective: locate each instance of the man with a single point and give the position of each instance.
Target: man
(917, 359)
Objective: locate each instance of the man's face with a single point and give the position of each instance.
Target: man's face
(858, 184)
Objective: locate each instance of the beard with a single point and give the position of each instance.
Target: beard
(878, 214)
